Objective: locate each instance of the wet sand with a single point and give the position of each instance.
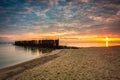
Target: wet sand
(73, 64)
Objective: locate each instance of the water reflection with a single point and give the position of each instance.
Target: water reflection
(107, 44)
(35, 50)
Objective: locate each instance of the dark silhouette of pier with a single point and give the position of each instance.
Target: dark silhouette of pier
(39, 43)
(54, 44)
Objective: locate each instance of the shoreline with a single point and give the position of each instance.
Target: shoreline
(10, 71)
(69, 64)
(77, 64)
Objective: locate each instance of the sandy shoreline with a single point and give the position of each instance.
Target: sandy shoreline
(18, 68)
(70, 64)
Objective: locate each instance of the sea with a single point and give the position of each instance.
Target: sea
(11, 55)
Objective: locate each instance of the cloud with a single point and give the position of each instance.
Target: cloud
(70, 17)
(84, 0)
(118, 13)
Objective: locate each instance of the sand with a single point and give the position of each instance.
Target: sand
(77, 64)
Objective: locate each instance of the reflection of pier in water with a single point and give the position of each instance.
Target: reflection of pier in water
(36, 50)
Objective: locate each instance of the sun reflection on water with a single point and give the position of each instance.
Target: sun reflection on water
(107, 43)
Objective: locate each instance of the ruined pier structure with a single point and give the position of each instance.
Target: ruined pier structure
(39, 43)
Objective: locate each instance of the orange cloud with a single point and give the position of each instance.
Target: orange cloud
(84, 0)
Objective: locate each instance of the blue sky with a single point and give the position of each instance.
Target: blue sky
(59, 17)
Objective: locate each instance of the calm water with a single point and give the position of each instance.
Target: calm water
(11, 55)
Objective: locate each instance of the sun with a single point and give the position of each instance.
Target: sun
(107, 39)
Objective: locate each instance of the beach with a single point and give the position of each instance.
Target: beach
(101, 63)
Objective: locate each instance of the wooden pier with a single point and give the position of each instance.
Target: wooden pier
(39, 43)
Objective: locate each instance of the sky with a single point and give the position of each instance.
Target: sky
(68, 20)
